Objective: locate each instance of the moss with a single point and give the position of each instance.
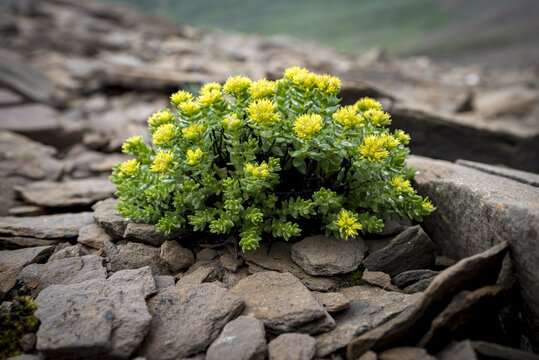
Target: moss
(16, 320)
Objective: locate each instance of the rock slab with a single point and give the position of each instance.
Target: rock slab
(292, 346)
(58, 226)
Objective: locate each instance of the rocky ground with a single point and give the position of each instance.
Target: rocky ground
(79, 78)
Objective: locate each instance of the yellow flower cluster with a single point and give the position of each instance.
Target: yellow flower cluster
(209, 98)
(161, 117)
(347, 223)
(403, 137)
(193, 131)
(209, 87)
(427, 206)
(131, 144)
(128, 167)
(400, 185)
(258, 172)
(328, 84)
(231, 122)
(373, 148)
(307, 125)
(162, 162)
(194, 157)
(262, 88)
(348, 117)
(189, 108)
(389, 141)
(180, 97)
(367, 103)
(236, 85)
(262, 112)
(306, 79)
(377, 117)
(163, 134)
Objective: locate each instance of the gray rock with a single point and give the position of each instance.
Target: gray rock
(369, 307)
(58, 226)
(93, 236)
(106, 216)
(187, 319)
(501, 209)
(8, 279)
(369, 355)
(9, 98)
(462, 350)
(71, 270)
(231, 263)
(176, 256)
(147, 234)
(163, 281)
(517, 175)
(23, 257)
(27, 357)
(419, 286)
(405, 353)
(292, 346)
(326, 256)
(411, 249)
(28, 342)
(200, 275)
(278, 258)
(378, 278)
(244, 338)
(68, 251)
(97, 318)
(443, 262)
(27, 210)
(15, 242)
(332, 301)
(206, 254)
(283, 303)
(407, 278)
(230, 279)
(135, 255)
(83, 192)
(489, 350)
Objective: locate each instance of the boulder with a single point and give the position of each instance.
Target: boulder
(23, 257)
(59, 226)
(292, 346)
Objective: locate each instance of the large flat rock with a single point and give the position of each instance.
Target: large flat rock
(23, 257)
(57, 226)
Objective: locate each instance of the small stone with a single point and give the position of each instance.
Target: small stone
(409, 277)
(8, 279)
(230, 279)
(369, 355)
(292, 346)
(378, 278)
(148, 234)
(163, 281)
(325, 256)
(487, 350)
(332, 301)
(23, 257)
(176, 256)
(405, 353)
(419, 286)
(241, 339)
(106, 216)
(230, 262)
(135, 255)
(93, 236)
(462, 350)
(59, 226)
(28, 342)
(68, 251)
(200, 275)
(206, 254)
(443, 262)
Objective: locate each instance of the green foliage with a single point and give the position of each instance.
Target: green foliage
(269, 159)
(16, 321)
(355, 277)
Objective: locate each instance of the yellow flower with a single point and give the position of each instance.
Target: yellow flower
(231, 122)
(304, 79)
(377, 117)
(262, 112)
(162, 162)
(163, 134)
(367, 103)
(291, 72)
(209, 87)
(403, 137)
(427, 206)
(373, 148)
(188, 108)
(180, 97)
(258, 172)
(236, 85)
(262, 88)
(347, 223)
(307, 125)
(400, 185)
(209, 98)
(194, 157)
(328, 84)
(131, 144)
(389, 141)
(161, 117)
(128, 167)
(348, 117)
(193, 131)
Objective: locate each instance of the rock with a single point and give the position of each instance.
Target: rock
(8, 280)
(206, 254)
(407, 278)
(369, 307)
(230, 262)
(230, 279)
(68, 251)
(200, 275)
(28, 342)
(8, 98)
(292, 346)
(58, 226)
(419, 286)
(495, 351)
(326, 256)
(15, 242)
(477, 270)
(109, 248)
(136, 255)
(443, 262)
(93, 236)
(80, 162)
(517, 175)
(162, 282)
(332, 301)
(508, 101)
(369, 355)
(405, 353)
(462, 350)
(106, 216)
(101, 317)
(411, 249)
(84, 192)
(241, 339)
(176, 256)
(26, 210)
(23, 257)
(278, 258)
(179, 328)
(378, 278)
(501, 209)
(23, 157)
(72, 270)
(41, 123)
(147, 234)
(26, 357)
(283, 303)
(394, 226)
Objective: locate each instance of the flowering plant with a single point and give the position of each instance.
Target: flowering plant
(274, 159)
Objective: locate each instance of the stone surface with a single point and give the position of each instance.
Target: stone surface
(231, 263)
(244, 338)
(176, 256)
(71, 270)
(407, 278)
(477, 270)
(517, 175)
(106, 216)
(8, 279)
(369, 355)
(405, 353)
(147, 234)
(187, 319)
(97, 318)
(27, 210)
(501, 209)
(83, 192)
(28, 342)
(200, 275)
(369, 307)
(378, 278)
(230, 279)
(283, 303)
(332, 301)
(46, 226)
(93, 235)
(489, 350)
(462, 350)
(68, 251)
(411, 249)
(419, 286)
(15, 242)
(23, 257)
(135, 255)
(8, 97)
(292, 346)
(326, 256)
